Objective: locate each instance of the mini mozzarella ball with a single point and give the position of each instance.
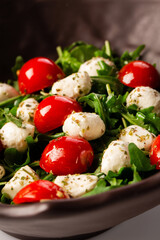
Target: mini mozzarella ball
(115, 157)
(144, 97)
(23, 177)
(82, 124)
(15, 137)
(7, 91)
(91, 66)
(76, 185)
(2, 171)
(26, 110)
(74, 86)
(139, 136)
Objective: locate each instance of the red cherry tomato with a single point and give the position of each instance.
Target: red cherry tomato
(155, 152)
(67, 155)
(39, 190)
(52, 112)
(38, 73)
(139, 73)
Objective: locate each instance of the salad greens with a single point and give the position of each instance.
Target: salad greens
(107, 98)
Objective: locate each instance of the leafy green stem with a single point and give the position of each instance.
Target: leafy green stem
(108, 48)
(10, 100)
(59, 51)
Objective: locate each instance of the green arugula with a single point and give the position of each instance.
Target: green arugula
(139, 159)
(100, 188)
(18, 64)
(15, 159)
(107, 99)
(136, 176)
(73, 56)
(127, 57)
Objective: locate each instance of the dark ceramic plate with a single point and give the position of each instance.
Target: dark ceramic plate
(35, 27)
(77, 217)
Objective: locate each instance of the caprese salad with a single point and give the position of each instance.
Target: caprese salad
(82, 125)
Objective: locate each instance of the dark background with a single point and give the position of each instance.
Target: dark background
(35, 27)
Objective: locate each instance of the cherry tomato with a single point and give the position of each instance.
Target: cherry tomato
(39, 190)
(155, 152)
(52, 112)
(38, 73)
(139, 73)
(67, 155)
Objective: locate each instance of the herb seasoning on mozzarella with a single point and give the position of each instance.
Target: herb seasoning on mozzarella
(26, 110)
(138, 135)
(115, 157)
(144, 97)
(76, 185)
(73, 86)
(87, 125)
(91, 66)
(13, 136)
(22, 177)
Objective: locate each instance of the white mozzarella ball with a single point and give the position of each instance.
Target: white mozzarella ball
(23, 177)
(87, 125)
(2, 171)
(91, 66)
(74, 86)
(7, 91)
(14, 137)
(26, 110)
(139, 136)
(144, 97)
(76, 185)
(115, 157)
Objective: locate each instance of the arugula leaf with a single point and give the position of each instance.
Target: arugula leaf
(74, 44)
(13, 111)
(123, 173)
(5, 198)
(13, 158)
(11, 118)
(114, 181)
(115, 104)
(99, 84)
(94, 101)
(72, 57)
(7, 116)
(128, 57)
(150, 117)
(100, 144)
(112, 109)
(107, 48)
(105, 69)
(136, 176)
(68, 63)
(84, 52)
(49, 177)
(139, 159)
(18, 64)
(99, 188)
(48, 137)
(134, 120)
(136, 53)
(9, 101)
